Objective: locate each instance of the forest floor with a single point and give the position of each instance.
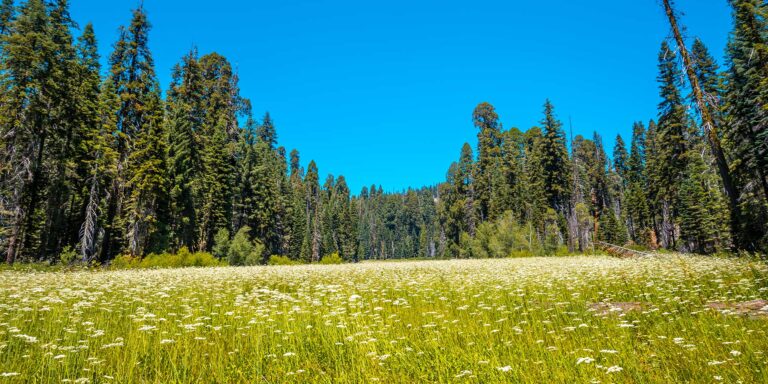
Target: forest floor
(573, 319)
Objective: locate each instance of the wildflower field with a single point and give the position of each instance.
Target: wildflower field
(577, 319)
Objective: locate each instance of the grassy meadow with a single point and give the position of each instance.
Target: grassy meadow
(549, 320)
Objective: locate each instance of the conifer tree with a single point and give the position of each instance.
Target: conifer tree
(184, 123)
(311, 246)
(266, 132)
(7, 15)
(554, 161)
(299, 215)
(37, 92)
(621, 159)
(219, 134)
(671, 144)
(133, 78)
(702, 207)
(746, 98)
(489, 155)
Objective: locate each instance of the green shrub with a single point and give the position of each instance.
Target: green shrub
(281, 260)
(333, 258)
(221, 244)
(505, 237)
(255, 257)
(125, 262)
(243, 251)
(68, 256)
(183, 258)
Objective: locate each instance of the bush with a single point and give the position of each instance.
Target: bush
(505, 237)
(333, 258)
(125, 262)
(243, 251)
(281, 260)
(67, 256)
(221, 244)
(183, 258)
(255, 257)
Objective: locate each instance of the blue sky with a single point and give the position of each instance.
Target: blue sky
(383, 91)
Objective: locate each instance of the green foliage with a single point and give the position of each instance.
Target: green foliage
(243, 250)
(489, 141)
(612, 230)
(221, 244)
(281, 260)
(332, 258)
(554, 161)
(503, 237)
(68, 256)
(552, 236)
(105, 166)
(183, 258)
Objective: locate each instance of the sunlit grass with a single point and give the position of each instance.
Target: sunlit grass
(483, 321)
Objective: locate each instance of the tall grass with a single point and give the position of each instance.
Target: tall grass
(474, 321)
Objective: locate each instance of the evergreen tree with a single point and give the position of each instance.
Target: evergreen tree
(489, 156)
(554, 161)
(310, 249)
(7, 15)
(671, 144)
(621, 159)
(299, 204)
(266, 132)
(184, 120)
(703, 210)
(219, 134)
(746, 98)
(38, 101)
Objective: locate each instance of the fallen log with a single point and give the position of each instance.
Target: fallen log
(618, 251)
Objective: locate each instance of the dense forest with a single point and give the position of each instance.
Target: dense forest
(104, 163)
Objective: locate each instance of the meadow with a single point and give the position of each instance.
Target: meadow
(592, 319)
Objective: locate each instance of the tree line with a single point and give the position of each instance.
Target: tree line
(107, 166)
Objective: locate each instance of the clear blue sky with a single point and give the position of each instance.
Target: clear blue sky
(383, 91)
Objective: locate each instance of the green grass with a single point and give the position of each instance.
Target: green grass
(481, 321)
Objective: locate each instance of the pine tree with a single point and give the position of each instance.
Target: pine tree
(95, 152)
(133, 78)
(148, 184)
(746, 98)
(299, 215)
(266, 132)
(703, 209)
(311, 246)
(7, 16)
(489, 156)
(554, 160)
(671, 144)
(219, 134)
(184, 123)
(635, 205)
(621, 159)
(36, 116)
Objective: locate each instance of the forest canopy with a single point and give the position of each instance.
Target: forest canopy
(102, 163)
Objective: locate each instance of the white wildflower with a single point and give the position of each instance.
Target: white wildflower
(614, 369)
(584, 360)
